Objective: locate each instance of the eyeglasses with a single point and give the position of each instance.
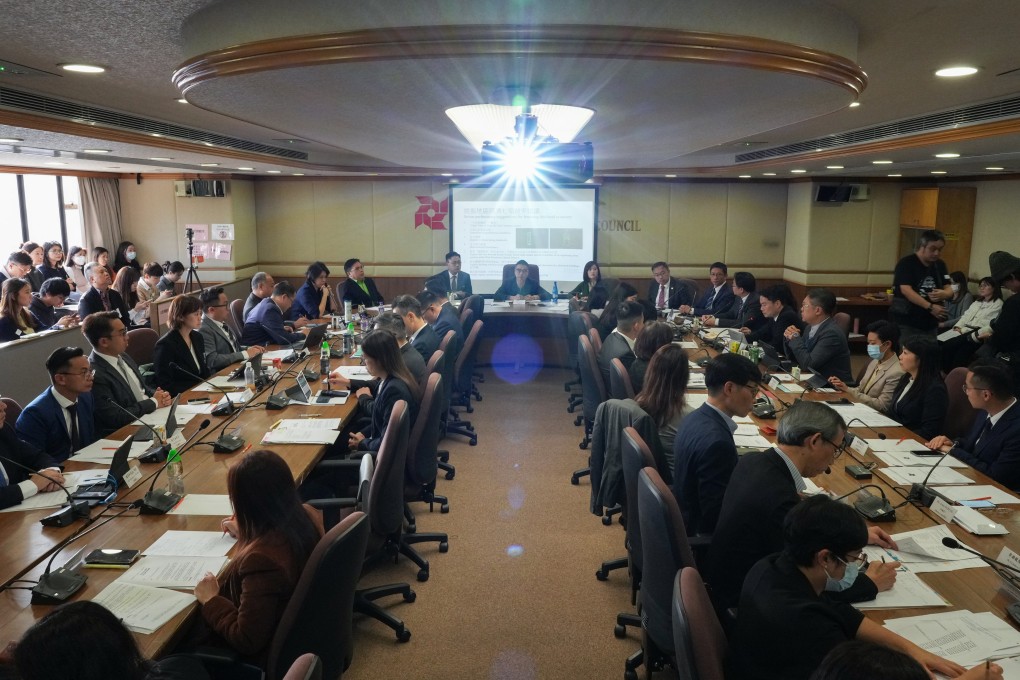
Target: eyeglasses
(215, 306)
(861, 560)
(839, 448)
(121, 332)
(967, 388)
(83, 373)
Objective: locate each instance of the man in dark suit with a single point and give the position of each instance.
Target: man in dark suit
(264, 326)
(392, 324)
(420, 335)
(993, 443)
(704, 454)
(823, 347)
(51, 295)
(440, 314)
(222, 346)
(717, 297)
(619, 344)
(764, 487)
(779, 312)
(454, 282)
(521, 287)
(666, 292)
(745, 310)
(16, 484)
(60, 420)
(19, 266)
(117, 378)
(101, 297)
(359, 289)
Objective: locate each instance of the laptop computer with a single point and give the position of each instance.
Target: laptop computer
(101, 493)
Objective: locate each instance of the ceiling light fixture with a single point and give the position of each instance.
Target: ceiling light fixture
(854, 105)
(833, 167)
(947, 155)
(160, 158)
(298, 174)
(182, 101)
(10, 140)
(670, 176)
(744, 176)
(156, 134)
(895, 175)
(246, 168)
(995, 167)
(798, 171)
(210, 165)
(938, 172)
(769, 174)
(273, 172)
(956, 71)
(95, 151)
(480, 123)
(881, 162)
(83, 68)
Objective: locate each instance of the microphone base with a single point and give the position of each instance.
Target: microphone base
(764, 410)
(858, 472)
(923, 495)
(277, 402)
(57, 586)
(226, 409)
(876, 509)
(155, 454)
(158, 502)
(227, 443)
(67, 514)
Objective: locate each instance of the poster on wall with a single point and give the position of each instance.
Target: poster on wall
(221, 251)
(203, 251)
(200, 231)
(223, 232)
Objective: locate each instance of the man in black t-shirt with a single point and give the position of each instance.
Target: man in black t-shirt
(920, 284)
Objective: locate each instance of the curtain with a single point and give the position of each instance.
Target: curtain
(100, 212)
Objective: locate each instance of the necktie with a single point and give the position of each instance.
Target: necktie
(72, 411)
(985, 429)
(230, 337)
(871, 380)
(708, 305)
(125, 370)
(660, 301)
(453, 282)
(105, 297)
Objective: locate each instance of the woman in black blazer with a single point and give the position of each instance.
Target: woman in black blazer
(183, 346)
(921, 400)
(384, 361)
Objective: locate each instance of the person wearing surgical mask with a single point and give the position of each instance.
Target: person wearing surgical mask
(958, 304)
(789, 620)
(878, 384)
(76, 261)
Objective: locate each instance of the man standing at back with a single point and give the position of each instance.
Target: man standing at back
(666, 292)
(454, 282)
(920, 285)
(823, 347)
(717, 298)
(620, 343)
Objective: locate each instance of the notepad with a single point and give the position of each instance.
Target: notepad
(166, 571)
(143, 609)
(195, 543)
(204, 504)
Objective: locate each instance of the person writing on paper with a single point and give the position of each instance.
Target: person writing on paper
(182, 345)
(993, 443)
(313, 300)
(43, 306)
(392, 324)
(167, 282)
(16, 484)
(383, 361)
(789, 620)
(521, 287)
(920, 401)
(882, 376)
(974, 327)
(275, 535)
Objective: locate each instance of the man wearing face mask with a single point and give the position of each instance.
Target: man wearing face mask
(764, 487)
(878, 386)
(789, 619)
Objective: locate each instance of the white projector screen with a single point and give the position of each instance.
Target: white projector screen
(552, 227)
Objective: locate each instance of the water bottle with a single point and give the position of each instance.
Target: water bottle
(324, 358)
(175, 473)
(347, 311)
(249, 376)
(349, 339)
(755, 352)
(556, 293)
(364, 323)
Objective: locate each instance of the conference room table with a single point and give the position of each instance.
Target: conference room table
(544, 323)
(27, 546)
(976, 590)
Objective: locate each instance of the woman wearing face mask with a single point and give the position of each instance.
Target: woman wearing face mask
(882, 376)
(788, 620)
(959, 303)
(127, 256)
(77, 258)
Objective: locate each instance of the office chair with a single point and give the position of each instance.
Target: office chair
(476, 303)
(13, 409)
(508, 272)
(596, 339)
(620, 386)
(592, 387)
(141, 345)
(843, 320)
(422, 464)
(306, 667)
(236, 319)
(699, 638)
(455, 426)
(435, 365)
(578, 323)
(960, 415)
(464, 367)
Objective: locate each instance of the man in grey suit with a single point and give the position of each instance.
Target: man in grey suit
(117, 380)
(823, 348)
(222, 347)
(620, 343)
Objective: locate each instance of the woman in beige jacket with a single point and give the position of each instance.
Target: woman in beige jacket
(883, 373)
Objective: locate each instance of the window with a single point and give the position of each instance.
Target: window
(47, 219)
(43, 208)
(10, 215)
(72, 212)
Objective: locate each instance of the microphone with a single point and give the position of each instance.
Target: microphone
(280, 339)
(956, 545)
(221, 409)
(64, 516)
(702, 362)
(871, 507)
(155, 453)
(159, 502)
(920, 493)
(880, 435)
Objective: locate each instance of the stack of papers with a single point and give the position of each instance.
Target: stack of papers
(219, 384)
(909, 591)
(282, 354)
(354, 372)
(686, 344)
(961, 636)
(143, 609)
(695, 400)
(101, 451)
(303, 431)
(696, 381)
(922, 551)
(197, 543)
(900, 453)
(917, 475)
(159, 416)
(217, 505)
(748, 437)
(164, 571)
(54, 499)
(987, 492)
(865, 414)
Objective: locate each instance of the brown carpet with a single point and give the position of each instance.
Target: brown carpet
(487, 613)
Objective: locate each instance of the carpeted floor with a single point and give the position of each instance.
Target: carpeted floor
(516, 597)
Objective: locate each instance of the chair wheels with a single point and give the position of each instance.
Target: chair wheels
(423, 575)
(579, 420)
(474, 441)
(630, 675)
(583, 445)
(449, 475)
(444, 546)
(602, 575)
(620, 631)
(412, 528)
(575, 480)
(607, 520)
(403, 635)
(410, 596)
(444, 508)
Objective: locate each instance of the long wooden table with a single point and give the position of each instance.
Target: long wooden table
(27, 546)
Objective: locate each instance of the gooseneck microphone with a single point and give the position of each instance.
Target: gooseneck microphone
(956, 545)
(920, 493)
(155, 453)
(159, 502)
(64, 516)
(871, 507)
(880, 435)
(221, 409)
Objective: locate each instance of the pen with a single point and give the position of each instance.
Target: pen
(983, 498)
(246, 449)
(309, 415)
(276, 424)
(902, 440)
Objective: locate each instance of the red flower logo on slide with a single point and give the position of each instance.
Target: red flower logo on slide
(431, 213)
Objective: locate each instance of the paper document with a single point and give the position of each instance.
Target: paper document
(916, 475)
(696, 381)
(204, 504)
(54, 499)
(687, 344)
(949, 335)
(695, 400)
(792, 388)
(751, 441)
(909, 591)
(284, 354)
(922, 551)
(304, 431)
(866, 414)
(164, 571)
(747, 429)
(101, 451)
(193, 543)
(143, 609)
(898, 445)
(314, 401)
(221, 383)
(961, 636)
(978, 491)
(812, 489)
(354, 372)
(907, 459)
(159, 416)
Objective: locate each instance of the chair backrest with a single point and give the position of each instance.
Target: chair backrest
(843, 320)
(707, 639)
(635, 456)
(448, 366)
(620, 386)
(385, 501)
(508, 272)
(317, 618)
(421, 464)
(664, 550)
(467, 316)
(578, 323)
(692, 287)
(306, 667)
(685, 665)
(593, 389)
(13, 409)
(435, 364)
(142, 345)
(466, 361)
(236, 319)
(596, 339)
(960, 414)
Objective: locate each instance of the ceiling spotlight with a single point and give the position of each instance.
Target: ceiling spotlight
(956, 71)
(10, 140)
(769, 174)
(895, 175)
(446, 174)
(210, 165)
(671, 176)
(854, 105)
(833, 167)
(995, 167)
(246, 168)
(82, 68)
(881, 162)
(95, 151)
(798, 171)
(182, 101)
(298, 174)
(160, 158)
(938, 172)
(947, 155)
(744, 176)
(273, 172)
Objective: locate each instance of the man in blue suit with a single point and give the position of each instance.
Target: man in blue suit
(264, 326)
(717, 298)
(704, 454)
(60, 420)
(993, 444)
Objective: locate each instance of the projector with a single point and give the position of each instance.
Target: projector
(569, 163)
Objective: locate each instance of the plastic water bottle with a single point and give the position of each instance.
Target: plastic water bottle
(249, 376)
(556, 293)
(324, 358)
(175, 473)
(349, 339)
(347, 311)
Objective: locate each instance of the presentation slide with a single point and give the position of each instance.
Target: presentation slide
(552, 227)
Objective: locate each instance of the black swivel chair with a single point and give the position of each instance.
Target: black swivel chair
(578, 323)
(592, 386)
(698, 636)
(422, 464)
(436, 365)
(476, 303)
(620, 386)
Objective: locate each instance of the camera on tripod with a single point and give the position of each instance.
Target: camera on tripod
(189, 233)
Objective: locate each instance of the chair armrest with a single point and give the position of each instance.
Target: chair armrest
(322, 503)
(700, 541)
(338, 464)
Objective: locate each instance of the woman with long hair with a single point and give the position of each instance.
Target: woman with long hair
(275, 534)
(662, 396)
(312, 299)
(127, 256)
(77, 258)
(52, 266)
(974, 327)
(126, 284)
(653, 335)
(920, 401)
(959, 303)
(607, 322)
(182, 346)
(15, 321)
(591, 280)
(383, 361)
(102, 256)
(35, 251)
